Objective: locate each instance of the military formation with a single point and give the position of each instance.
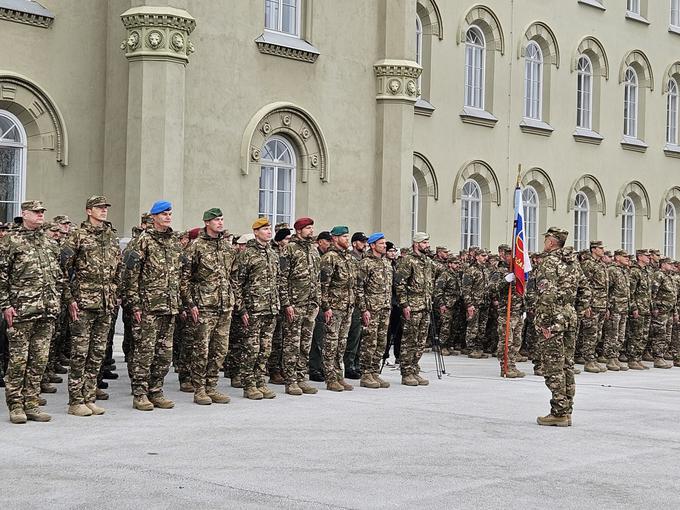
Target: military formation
(282, 305)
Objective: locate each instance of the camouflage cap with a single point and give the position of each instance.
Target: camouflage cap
(421, 237)
(96, 201)
(504, 247)
(33, 205)
(642, 251)
(280, 226)
(558, 233)
(665, 260)
(655, 252)
(441, 248)
(4, 226)
(608, 254)
(62, 219)
(452, 258)
(52, 226)
(596, 244)
(620, 253)
(146, 218)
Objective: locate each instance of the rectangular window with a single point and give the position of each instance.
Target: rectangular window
(633, 6)
(282, 16)
(669, 237)
(675, 13)
(584, 102)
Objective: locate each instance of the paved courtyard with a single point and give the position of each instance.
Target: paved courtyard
(466, 441)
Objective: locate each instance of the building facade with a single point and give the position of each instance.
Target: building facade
(393, 115)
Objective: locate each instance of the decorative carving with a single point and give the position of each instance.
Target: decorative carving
(132, 42)
(255, 154)
(305, 132)
(286, 120)
(396, 79)
(43, 20)
(177, 41)
(154, 39)
(314, 160)
(411, 88)
(394, 86)
(286, 47)
(190, 48)
(266, 128)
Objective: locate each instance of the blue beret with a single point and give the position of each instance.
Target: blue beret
(340, 230)
(160, 206)
(375, 237)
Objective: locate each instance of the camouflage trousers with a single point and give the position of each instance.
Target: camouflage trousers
(153, 354)
(514, 337)
(186, 343)
(413, 342)
(675, 341)
(374, 341)
(476, 329)
(234, 359)
(29, 349)
(639, 333)
(614, 334)
(490, 333)
(557, 359)
(335, 343)
(590, 333)
(131, 334)
(297, 340)
(275, 361)
(446, 328)
(531, 341)
(660, 331)
(257, 345)
(209, 348)
(89, 335)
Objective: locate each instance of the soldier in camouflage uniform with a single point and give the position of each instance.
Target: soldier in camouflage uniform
(619, 307)
(258, 273)
(31, 286)
(374, 300)
(445, 298)
(664, 303)
(351, 357)
(591, 328)
(338, 294)
(674, 350)
(530, 336)
(91, 256)
(415, 287)
(640, 310)
(282, 236)
(153, 293)
(300, 292)
(475, 287)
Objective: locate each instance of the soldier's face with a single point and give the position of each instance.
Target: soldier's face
(284, 242)
(643, 260)
(263, 234)
(98, 212)
(424, 246)
(162, 221)
(380, 246)
(65, 228)
(323, 244)
(33, 219)
(306, 233)
(442, 254)
(342, 241)
(392, 253)
(215, 226)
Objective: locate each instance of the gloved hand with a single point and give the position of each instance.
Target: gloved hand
(510, 277)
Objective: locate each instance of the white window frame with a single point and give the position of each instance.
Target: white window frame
(675, 14)
(669, 230)
(414, 206)
(628, 225)
(277, 166)
(633, 6)
(279, 18)
(581, 221)
(631, 103)
(530, 202)
(471, 199)
(22, 145)
(419, 49)
(584, 93)
(672, 112)
(533, 82)
(475, 69)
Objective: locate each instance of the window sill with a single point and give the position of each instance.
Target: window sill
(671, 150)
(588, 136)
(633, 16)
(593, 3)
(478, 117)
(423, 107)
(673, 29)
(535, 127)
(287, 46)
(633, 144)
(28, 13)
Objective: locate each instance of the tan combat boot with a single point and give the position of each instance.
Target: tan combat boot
(17, 415)
(661, 363)
(186, 387)
(382, 382)
(252, 393)
(48, 388)
(421, 380)
(277, 378)
(475, 355)
(409, 380)
(79, 410)
(142, 403)
(293, 389)
(36, 414)
(613, 365)
(445, 351)
(101, 394)
(368, 382)
(635, 365)
(236, 382)
(553, 421)
(334, 386)
(266, 392)
(622, 366)
(201, 398)
(592, 367)
(307, 388)
(159, 400)
(42, 401)
(96, 410)
(218, 397)
(345, 385)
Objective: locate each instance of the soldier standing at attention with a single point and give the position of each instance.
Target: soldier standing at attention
(595, 270)
(445, 298)
(258, 273)
(31, 285)
(91, 256)
(323, 244)
(209, 291)
(664, 300)
(153, 293)
(475, 286)
(619, 305)
(351, 357)
(640, 310)
(282, 237)
(415, 286)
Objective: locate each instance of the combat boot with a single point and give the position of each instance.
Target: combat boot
(601, 359)
(367, 381)
(576, 370)
(623, 358)
(159, 400)
(455, 352)
(382, 382)
(635, 365)
(475, 355)
(218, 397)
(236, 382)
(17, 415)
(409, 380)
(421, 380)
(48, 388)
(101, 394)
(345, 385)
(186, 387)
(36, 414)
(603, 368)
(580, 360)
(277, 378)
(54, 378)
(513, 373)
(201, 398)
(252, 393)
(661, 363)
(538, 371)
(266, 392)
(293, 389)
(676, 363)
(334, 386)
(142, 403)
(79, 410)
(622, 366)
(96, 410)
(42, 401)
(553, 421)
(647, 356)
(613, 365)
(307, 388)
(58, 369)
(592, 367)
(445, 351)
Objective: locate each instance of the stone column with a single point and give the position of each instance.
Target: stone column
(157, 48)
(397, 91)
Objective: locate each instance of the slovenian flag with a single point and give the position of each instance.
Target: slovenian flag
(520, 255)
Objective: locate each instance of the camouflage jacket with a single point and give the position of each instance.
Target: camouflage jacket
(582, 299)
(31, 279)
(619, 289)
(640, 290)
(664, 292)
(258, 274)
(415, 282)
(91, 257)
(555, 294)
(498, 288)
(210, 279)
(475, 285)
(374, 287)
(447, 289)
(338, 280)
(300, 264)
(598, 278)
(153, 269)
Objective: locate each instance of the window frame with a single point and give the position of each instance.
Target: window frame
(473, 50)
(266, 163)
(279, 20)
(533, 66)
(581, 228)
(674, 21)
(531, 216)
(628, 225)
(468, 237)
(633, 7)
(669, 230)
(581, 93)
(672, 104)
(631, 88)
(22, 146)
(415, 203)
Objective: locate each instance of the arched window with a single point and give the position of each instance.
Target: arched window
(628, 225)
(533, 81)
(419, 47)
(414, 206)
(530, 203)
(282, 16)
(471, 215)
(630, 103)
(475, 47)
(13, 145)
(581, 221)
(584, 93)
(672, 113)
(669, 231)
(277, 181)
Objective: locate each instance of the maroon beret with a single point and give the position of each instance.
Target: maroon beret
(301, 223)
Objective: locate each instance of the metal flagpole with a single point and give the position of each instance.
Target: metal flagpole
(512, 271)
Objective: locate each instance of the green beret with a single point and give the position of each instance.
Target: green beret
(340, 230)
(212, 213)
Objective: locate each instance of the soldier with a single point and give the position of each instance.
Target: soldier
(415, 285)
(300, 292)
(619, 304)
(31, 284)
(323, 244)
(374, 298)
(274, 364)
(474, 288)
(338, 286)
(446, 295)
(395, 329)
(185, 327)
(153, 293)
(351, 357)
(258, 272)
(595, 270)
(664, 302)
(555, 321)
(91, 256)
(640, 309)
(530, 336)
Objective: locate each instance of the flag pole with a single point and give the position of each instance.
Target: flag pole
(512, 271)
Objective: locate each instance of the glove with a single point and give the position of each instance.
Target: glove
(510, 277)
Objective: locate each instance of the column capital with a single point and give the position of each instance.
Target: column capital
(397, 80)
(158, 33)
